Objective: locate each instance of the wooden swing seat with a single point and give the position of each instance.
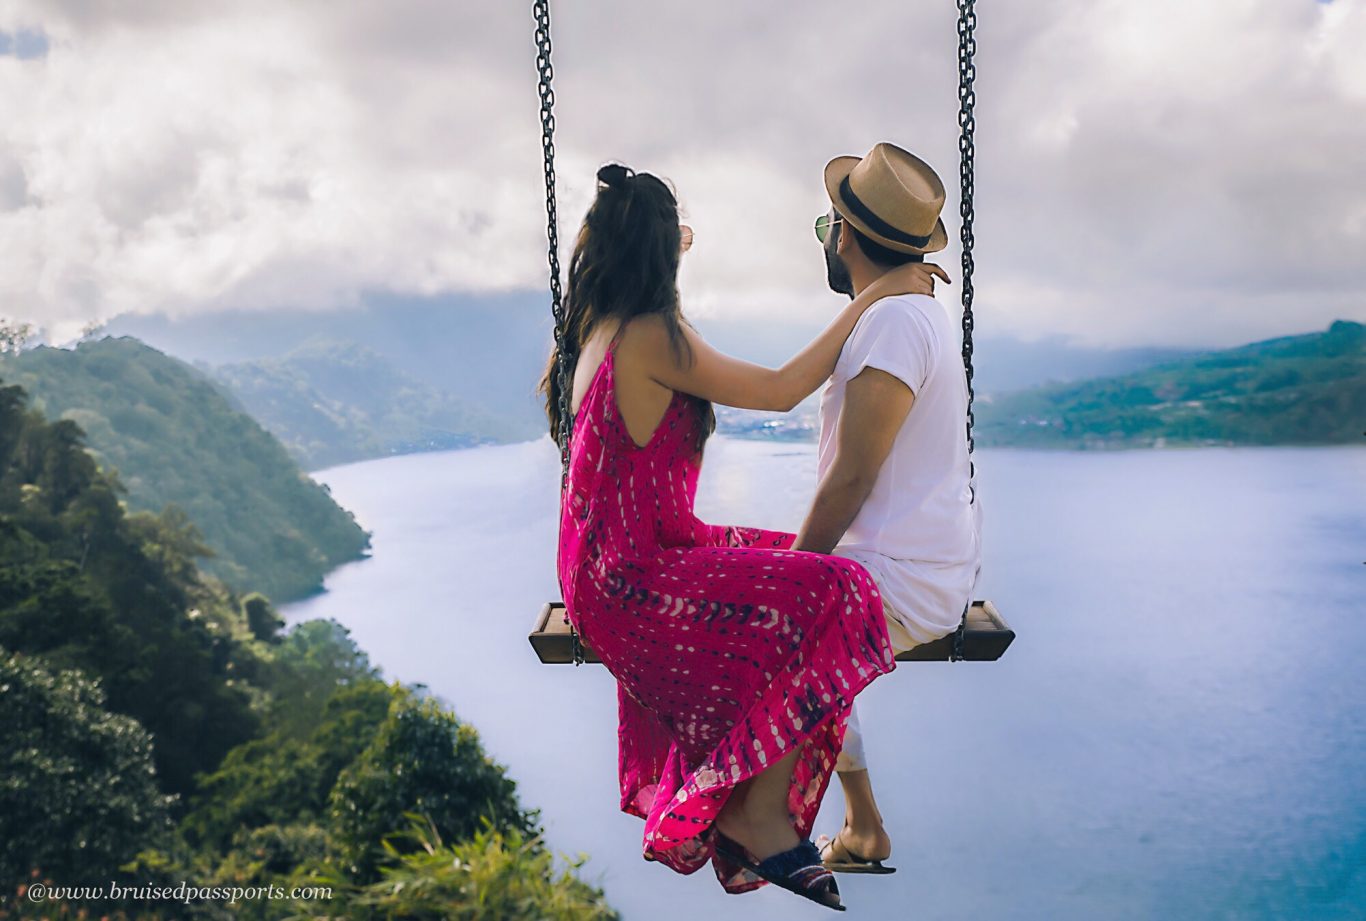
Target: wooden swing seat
(985, 638)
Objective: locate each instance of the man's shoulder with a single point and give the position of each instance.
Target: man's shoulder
(919, 311)
(917, 305)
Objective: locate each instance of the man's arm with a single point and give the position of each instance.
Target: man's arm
(875, 405)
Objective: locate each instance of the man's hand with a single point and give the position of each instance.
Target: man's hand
(875, 405)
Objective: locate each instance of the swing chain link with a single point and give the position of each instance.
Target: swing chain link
(541, 10)
(578, 656)
(967, 99)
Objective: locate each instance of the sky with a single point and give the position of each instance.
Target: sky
(1157, 173)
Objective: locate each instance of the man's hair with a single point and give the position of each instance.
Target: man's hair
(879, 254)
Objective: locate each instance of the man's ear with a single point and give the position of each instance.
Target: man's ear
(843, 242)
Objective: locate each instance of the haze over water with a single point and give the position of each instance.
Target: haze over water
(1178, 732)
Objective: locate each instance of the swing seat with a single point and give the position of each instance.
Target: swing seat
(985, 638)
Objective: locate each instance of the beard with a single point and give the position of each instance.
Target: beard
(837, 274)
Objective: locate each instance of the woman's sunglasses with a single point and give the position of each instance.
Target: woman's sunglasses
(823, 225)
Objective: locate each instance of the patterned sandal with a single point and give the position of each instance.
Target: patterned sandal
(798, 870)
(836, 856)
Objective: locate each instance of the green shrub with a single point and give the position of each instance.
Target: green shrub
(493, 876)
(78, 792)
(261, 618)
(421, 760)
(281, 778)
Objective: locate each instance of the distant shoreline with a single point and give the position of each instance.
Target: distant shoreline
(811, 443)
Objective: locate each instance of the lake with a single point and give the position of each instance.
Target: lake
(1178, 731)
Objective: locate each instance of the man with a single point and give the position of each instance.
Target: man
(895, 490)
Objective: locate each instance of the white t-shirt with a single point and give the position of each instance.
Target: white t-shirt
(919, 532)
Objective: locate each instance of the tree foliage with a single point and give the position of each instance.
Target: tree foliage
(332, 402)
(161, 729)
(84, 586)
(490, 877)
(78, 790)
(176, 438)
(422, 759)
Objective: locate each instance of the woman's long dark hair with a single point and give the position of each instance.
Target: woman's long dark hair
(625, 265)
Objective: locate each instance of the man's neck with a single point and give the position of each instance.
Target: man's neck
(861, 276)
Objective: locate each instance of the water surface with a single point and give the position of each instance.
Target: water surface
(1179, 732)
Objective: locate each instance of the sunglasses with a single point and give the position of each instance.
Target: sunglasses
(823, 225)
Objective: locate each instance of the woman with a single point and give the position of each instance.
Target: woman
(737, 659)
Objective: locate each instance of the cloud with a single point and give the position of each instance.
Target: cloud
(1165, 173)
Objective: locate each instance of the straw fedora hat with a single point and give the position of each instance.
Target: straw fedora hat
(892, 196)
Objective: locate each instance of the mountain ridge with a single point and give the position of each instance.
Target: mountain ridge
(174, 438)
(1302, 389)
(332, 402)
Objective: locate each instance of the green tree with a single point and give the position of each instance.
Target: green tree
(78, 790)
(85, 587)
(14, 336)
(315, 659)
(261, 618)
(422, 759)
(283, 779)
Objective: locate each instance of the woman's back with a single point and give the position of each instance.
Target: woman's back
(626, 500)
(640, 399)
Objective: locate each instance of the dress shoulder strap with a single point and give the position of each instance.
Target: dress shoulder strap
(612, 346)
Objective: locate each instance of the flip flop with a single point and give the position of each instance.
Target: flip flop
(848, 862)
(798, 870)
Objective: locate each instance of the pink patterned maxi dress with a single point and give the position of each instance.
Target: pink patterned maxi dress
(728, 648)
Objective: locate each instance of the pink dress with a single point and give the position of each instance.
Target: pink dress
(729, 650)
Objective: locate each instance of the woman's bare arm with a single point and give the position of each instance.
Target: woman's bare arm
(730, 381)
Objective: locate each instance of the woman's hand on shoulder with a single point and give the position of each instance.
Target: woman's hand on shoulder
(911, 278)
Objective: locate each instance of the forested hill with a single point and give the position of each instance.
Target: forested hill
(160, 729)
(1308, 389)
(174, 437)
(332, 402)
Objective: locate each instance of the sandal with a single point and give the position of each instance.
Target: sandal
(798, 870)
(844, 860)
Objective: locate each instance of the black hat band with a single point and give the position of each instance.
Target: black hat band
(876, 224)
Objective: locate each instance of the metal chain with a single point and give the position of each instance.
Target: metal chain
(967, 98)
(541, 10)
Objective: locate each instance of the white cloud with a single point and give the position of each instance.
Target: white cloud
(1164, 172)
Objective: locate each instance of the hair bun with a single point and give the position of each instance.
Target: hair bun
(615, 175)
